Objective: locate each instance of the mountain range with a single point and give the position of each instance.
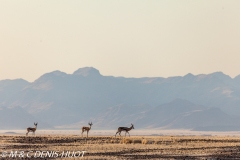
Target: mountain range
(60, 100)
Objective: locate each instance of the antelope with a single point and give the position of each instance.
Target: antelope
(126, 129)
(29, 129)
(87, 128)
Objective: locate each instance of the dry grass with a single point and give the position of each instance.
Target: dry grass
(135, 147)
(126, 141)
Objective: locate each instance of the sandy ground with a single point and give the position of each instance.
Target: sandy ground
(199, 146)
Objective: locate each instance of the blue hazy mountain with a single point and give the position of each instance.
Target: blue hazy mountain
(177, 114)
(61, 99)
(18, 118)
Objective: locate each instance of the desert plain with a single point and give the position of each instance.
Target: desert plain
(200, 146)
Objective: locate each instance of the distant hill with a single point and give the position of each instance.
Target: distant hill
(70, 100)
(178, 114)
(18, 118)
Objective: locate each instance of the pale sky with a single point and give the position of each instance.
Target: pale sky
(130, 38)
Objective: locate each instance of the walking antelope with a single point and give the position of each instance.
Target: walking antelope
(126, 129)
(87, 128)
(29, 129)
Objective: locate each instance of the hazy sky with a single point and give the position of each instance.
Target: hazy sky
(131, 38)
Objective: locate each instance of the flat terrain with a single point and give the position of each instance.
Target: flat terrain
(106, 147)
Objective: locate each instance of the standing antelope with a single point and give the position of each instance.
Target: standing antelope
(126, 129)
(29, 129)
(87, 128)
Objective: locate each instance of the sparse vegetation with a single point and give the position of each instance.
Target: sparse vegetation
(147, 141)
(126, 141)
(135, 147)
